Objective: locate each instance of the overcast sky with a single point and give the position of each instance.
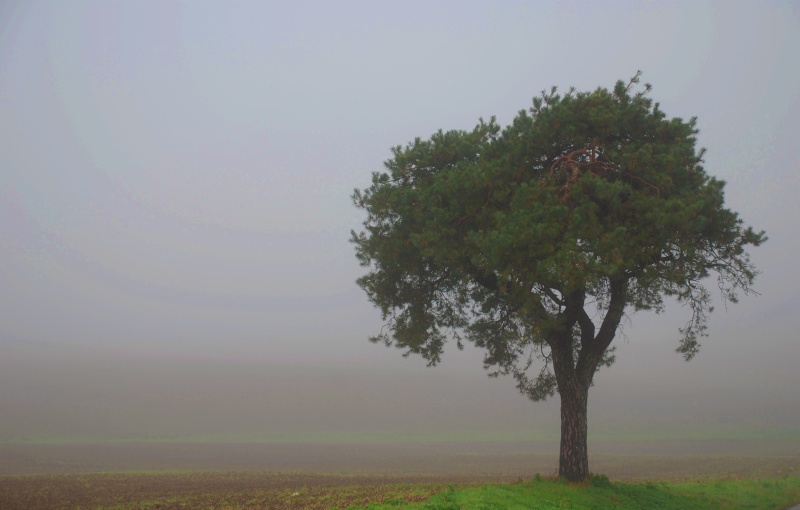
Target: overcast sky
(175, 176)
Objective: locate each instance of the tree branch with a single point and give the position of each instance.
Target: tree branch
(592, 352)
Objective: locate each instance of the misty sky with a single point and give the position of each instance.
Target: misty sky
(175, 176)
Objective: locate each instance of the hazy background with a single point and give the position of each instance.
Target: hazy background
(175, 213)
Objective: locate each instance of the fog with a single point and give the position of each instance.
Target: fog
(175, 212)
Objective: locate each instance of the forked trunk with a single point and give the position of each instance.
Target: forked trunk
(573, 464)
(575, 369)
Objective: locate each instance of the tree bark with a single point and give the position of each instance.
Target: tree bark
(573, 463)
(574, 373)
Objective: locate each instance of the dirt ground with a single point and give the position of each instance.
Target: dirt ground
(275, 475)
(211, 490)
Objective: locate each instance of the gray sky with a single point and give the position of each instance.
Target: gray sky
(175, 176)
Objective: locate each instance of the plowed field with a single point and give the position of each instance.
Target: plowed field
(266, 475)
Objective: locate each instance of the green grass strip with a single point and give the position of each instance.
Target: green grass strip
(601, 494)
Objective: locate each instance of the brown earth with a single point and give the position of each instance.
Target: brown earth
(286, 475)
(241, 489)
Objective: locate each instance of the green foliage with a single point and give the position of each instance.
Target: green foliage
(599, 480)
(543, 494)
(533, 241)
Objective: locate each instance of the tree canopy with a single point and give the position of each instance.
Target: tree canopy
(533, 241)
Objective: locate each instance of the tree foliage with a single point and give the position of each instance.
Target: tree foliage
(533, 241)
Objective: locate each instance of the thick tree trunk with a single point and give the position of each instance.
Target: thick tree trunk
(573, 464)
(574, 372)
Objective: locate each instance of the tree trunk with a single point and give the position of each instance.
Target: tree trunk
(573, 464)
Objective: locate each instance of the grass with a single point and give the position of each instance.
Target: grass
(600, 494)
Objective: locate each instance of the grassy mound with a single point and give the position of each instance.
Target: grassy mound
(599, 494)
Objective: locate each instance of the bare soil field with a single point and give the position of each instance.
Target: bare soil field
(241, 489)
(291, 475)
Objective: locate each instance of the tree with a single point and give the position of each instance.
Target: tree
(534, 241)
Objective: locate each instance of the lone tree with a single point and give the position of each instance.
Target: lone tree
(533, 241)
